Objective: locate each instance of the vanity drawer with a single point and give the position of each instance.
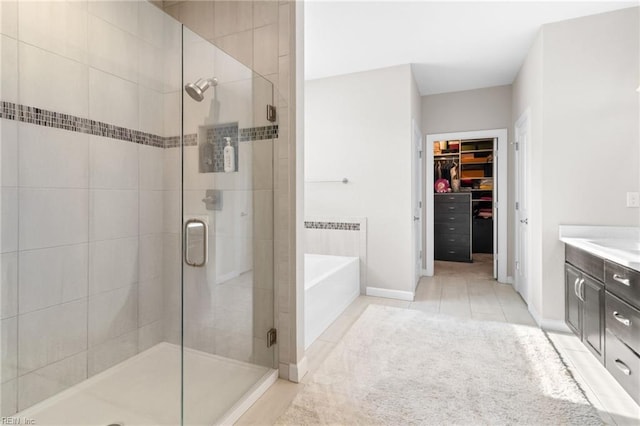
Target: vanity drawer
(589, 263)
(624, 365)
(623, 282)
(623, 320)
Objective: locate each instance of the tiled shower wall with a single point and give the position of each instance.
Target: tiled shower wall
(259, 34)
(82, 215)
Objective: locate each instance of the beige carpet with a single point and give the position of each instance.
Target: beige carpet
(399, 366)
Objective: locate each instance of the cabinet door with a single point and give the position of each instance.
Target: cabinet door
(593, 316)
(573, 304)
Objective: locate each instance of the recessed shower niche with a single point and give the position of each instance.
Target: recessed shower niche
(213, 139)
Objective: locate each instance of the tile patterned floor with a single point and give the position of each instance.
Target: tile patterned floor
(466, 290)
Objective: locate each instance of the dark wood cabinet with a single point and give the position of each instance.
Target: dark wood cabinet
(482, 235)
(593, 316)
(584, 300)
(601, 309)
(573, 303)
(452, 227)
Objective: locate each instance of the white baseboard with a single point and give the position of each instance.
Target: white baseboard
(548, 324)
(297, 371)
(390, 294)
(534, 313)
(424, 273)
(555, 325)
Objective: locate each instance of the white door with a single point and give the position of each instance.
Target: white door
(417, 203)
(522, 132)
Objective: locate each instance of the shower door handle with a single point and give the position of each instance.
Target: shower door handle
(195, 243)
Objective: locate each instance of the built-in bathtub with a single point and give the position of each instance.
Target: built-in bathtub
(331, 283)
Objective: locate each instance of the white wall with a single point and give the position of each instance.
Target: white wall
(579, 81)
(358, 126)
(479, 109)
(591, 115)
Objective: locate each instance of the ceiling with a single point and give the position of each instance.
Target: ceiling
(451, 46)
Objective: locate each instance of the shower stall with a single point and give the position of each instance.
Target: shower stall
(136, 265)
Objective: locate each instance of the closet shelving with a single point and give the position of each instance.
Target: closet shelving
(473, 159)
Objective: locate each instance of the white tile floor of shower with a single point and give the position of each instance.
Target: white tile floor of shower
(464, 290)
(145, 390)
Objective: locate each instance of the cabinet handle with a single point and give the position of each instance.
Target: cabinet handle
(452, 229)
(623, 367)
(581, 289)
(622, 280)
(452, 252)
(621, 319)
(452, 208)
(577, 288)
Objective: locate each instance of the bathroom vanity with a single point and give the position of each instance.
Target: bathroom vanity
(602, 297)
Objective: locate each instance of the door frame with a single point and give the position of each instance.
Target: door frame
(417, 153)
(500, 193)
(522, 125)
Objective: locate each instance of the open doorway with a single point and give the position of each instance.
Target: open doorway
(466, 189)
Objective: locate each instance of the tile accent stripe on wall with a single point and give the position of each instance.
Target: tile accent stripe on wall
(72, 123)
(43, 117)
(342, 226)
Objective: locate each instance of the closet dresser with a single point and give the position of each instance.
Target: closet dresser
(452, 227)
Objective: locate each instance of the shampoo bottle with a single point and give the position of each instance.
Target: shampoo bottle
(229, 157)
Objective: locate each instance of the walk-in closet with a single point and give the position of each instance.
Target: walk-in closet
(463, 198)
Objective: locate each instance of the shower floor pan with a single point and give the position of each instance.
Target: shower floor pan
(145, 390)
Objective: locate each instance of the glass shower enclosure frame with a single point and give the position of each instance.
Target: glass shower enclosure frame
(227, 211)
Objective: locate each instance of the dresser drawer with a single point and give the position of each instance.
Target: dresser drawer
(446, 208)
(452, 239)
(623, 282)
(454, 218)
(589, 263)
(452, 229)
(623, 320)
(452, 198)
(624, 365)
(456, 253)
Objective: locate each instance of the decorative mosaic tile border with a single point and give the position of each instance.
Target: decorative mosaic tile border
(72, 123)
(43, 117)
(174, 141)
(342, 226)
(258, 133)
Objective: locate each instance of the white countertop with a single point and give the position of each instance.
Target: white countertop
(617, 244)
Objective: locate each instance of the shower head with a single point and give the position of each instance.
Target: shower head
(196, 90)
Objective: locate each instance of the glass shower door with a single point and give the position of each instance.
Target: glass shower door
(227, 216)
